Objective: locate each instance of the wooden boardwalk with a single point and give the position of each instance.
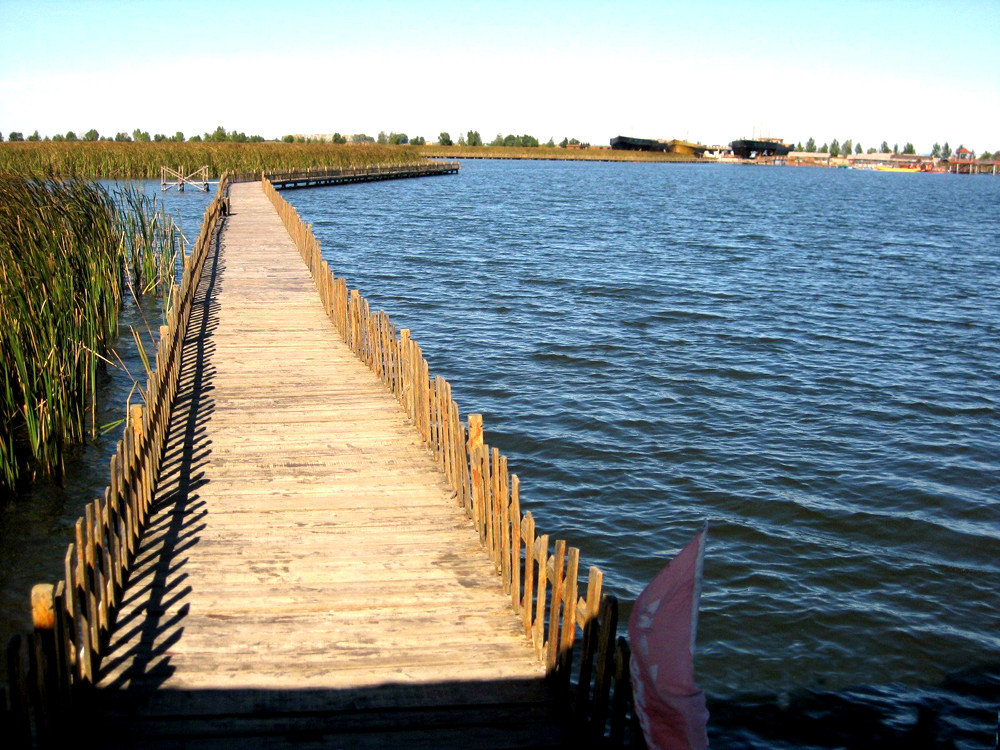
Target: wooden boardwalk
(306, 576)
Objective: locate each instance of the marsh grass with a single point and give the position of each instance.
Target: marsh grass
(127, 161)
(71, 254)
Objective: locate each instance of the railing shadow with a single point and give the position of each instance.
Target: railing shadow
(150, 619)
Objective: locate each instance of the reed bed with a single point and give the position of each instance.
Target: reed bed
(71, 254)
(130, 160)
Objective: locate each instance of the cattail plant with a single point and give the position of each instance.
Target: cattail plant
(71, 253)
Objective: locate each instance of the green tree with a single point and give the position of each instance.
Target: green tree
(398, 139)
(58, 138)
(418, 140)
(140, 136)
(1, 137)
(884, 148)
(895, 148)
(15, 136)
(811, 145)
(288, 139)
(835, 148)
(858, 149)
(91, 135)
(461, 139)
(34, 136)
(123, 137)
(946, 151)
(498, 141)
(798, 146)
(160, 137)
(177, 137)
(382, 137)
(936, 150)
(825, 149)
(444, 139)
(847, 147)
(473, 138)
(564, 143)
(361, 138)
(194, 138)
(909, 149)
(550, 143)
(338, 138)
(70, 135)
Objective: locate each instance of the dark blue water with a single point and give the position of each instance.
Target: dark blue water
(807, 359)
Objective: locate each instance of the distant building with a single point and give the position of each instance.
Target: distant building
(627, 143)
(808, 159)
(752, 148)
(719, 153)
(675, 146)
(892, 161)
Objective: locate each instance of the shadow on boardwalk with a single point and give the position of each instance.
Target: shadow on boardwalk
(153, 607)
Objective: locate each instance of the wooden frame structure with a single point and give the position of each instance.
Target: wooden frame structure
(198, 179)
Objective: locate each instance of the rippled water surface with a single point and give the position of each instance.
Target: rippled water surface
(807, 359)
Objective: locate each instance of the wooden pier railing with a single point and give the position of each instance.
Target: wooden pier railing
(324, 176)
(574, 633)
(51, 668)
(570, 621)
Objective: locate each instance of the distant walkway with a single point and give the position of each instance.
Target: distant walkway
(306, 576)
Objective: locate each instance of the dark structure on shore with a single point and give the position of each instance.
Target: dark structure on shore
(626, 143)
(675, 146)
(749, 148)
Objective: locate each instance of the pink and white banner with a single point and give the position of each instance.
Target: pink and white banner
(662, 628)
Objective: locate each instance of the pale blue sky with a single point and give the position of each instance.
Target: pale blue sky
(710, 71)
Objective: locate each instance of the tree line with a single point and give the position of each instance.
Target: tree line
(219, 135)
(835, 148)
(472, 138)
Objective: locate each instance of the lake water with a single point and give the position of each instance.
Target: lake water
(809, 360)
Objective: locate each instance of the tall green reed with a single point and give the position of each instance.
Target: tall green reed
(126, 161)
(70, 254)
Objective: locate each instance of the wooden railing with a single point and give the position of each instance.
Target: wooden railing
(573, 633)
(50, 668)
(424, 167)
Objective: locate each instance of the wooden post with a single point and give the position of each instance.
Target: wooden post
(541, 555)
(515, 551)
(552, 646)
(405, 386)
(475, 446)
(43, 616)
(528, 532)
(605, 664)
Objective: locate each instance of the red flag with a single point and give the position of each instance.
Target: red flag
(670, 707)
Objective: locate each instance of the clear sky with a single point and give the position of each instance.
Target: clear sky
(709, 71)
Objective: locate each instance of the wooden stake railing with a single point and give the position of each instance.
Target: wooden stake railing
(50, 668)
(572, 634)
